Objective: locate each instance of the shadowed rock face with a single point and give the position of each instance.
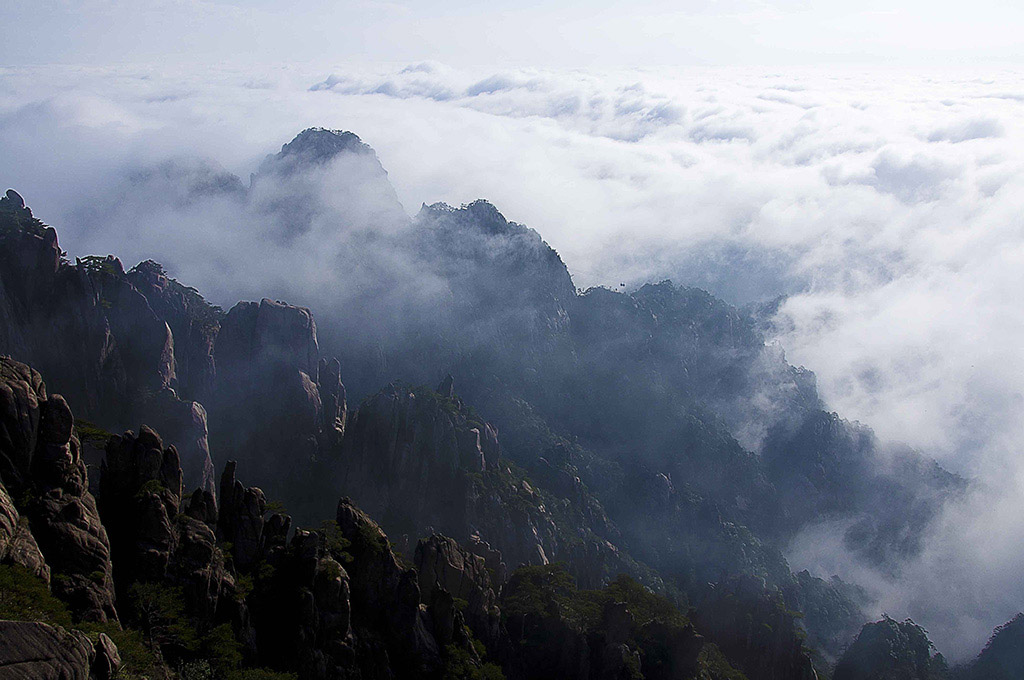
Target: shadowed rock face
(274, 408)
(442, 564)
(330, 604)
(158, 538)
(751, 624)
(89, 326)
(414, 457)
(40, 462)
(386, 594)
(193, 322)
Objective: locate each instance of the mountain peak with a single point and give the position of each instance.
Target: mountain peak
(480, 214)
(321, 144)
(315, 146)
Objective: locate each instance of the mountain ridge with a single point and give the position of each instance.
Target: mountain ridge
(616, 412)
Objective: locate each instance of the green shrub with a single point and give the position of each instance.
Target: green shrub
(644, 605)
(160, 613)
(335, 543)
(459, 665)
(717, 666)
(152, 486)
(536, 589)
(220, 648)
(244, 585)
(25, 597)
(88, 432)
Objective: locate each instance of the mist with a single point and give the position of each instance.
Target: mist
(883, 206)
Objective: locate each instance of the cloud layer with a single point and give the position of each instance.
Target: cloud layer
(886, 206)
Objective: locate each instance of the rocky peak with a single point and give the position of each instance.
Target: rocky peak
(12, 201)
(1003, 656)
(492, 265)
(328, 183)
(479, 214)
(314, 146)
(891, 649)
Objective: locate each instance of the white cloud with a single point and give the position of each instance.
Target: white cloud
(886, 204)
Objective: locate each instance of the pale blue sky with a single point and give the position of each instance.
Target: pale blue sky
(595, 33)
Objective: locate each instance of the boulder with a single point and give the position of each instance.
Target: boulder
(38, 651)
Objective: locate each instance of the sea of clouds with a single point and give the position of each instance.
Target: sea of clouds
(886, 206)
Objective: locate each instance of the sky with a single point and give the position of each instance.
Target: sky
(866, 163)
(515, 33)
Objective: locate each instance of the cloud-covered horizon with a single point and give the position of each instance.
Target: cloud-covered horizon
(884, 205)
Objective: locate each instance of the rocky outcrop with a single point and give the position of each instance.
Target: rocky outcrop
(41, 463)
(273, 408)
(751, 624)
(194, 324)
(386, 595)
(37, 651)
(891, 649)
(17, 544)
(442, 564)
(156, 537)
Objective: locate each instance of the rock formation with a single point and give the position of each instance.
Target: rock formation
(37, 651)
(40, 463)
(891, 649)
(88, 325)
(278, 407)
